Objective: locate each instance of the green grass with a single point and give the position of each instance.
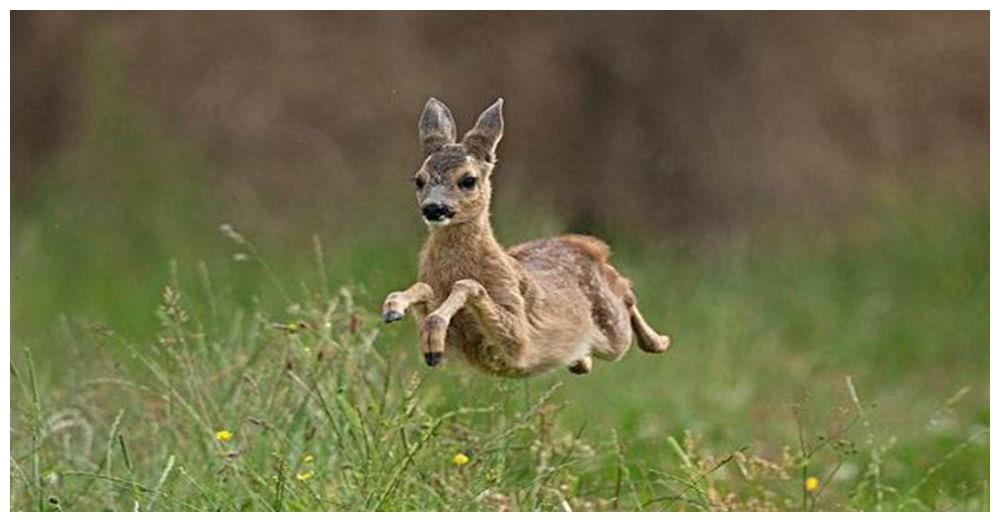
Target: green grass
(752, 398)
(854, 351)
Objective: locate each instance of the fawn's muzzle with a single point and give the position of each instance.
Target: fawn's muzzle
(432, 358)
(437, 212)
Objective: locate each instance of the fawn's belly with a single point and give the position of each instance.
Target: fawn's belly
(496, 358)
(556, 339)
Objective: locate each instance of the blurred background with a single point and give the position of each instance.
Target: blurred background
(798, 196)
(658, 124)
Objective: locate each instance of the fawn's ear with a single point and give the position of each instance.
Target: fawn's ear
(483, 139)
(437, 126)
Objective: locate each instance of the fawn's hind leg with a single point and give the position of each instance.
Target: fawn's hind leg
(582, 366)
(648, 339)
(607, 290)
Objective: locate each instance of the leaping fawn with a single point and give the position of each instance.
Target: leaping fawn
(541, 305)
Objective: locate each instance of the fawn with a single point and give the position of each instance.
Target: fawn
(541, 305)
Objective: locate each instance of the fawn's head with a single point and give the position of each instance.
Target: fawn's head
(453, 184)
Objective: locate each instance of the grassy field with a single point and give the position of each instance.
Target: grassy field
(162, 363)
(857, 356)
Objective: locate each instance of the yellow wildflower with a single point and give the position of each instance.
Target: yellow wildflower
(307, 458)
(304, 475)
(812, 484)
(223, 435)
(460, 459)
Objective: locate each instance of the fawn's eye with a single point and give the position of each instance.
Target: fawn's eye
(467, 182)
(419, 182)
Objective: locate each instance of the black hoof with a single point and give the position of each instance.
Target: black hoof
(432, 359)
(392, 316)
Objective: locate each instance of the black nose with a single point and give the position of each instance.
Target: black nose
(432, 359)
(436, 212)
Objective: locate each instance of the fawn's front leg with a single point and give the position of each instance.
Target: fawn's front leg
(396, 303)
(496, 322)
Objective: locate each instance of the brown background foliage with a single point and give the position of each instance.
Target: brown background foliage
(670, 119)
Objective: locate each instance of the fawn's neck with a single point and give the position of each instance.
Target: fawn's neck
(461, 251)
(474, 238)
